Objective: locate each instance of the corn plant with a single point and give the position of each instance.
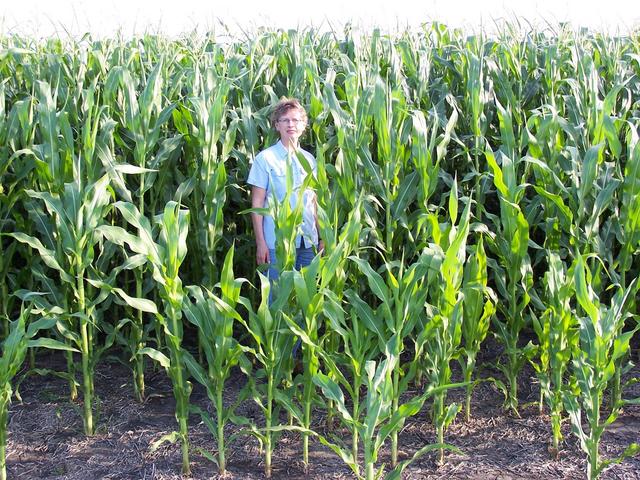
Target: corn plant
(14, 349)
(214, 317)
(476, 95)
(377, 422)
(207, 128)
(7, 200)
(393, 321)
(165, 252)
(310, 299)
(558, 337)
(312, 286)
(69, 251)
(335, 269)
(345, 366)
(478, 309)
(135, 340)
(353, 132)
(601, 344)
(511, 245)
(424, 143)
(630, 229)
(376, 418)
(272, 347)
(440, 339)
(143, 116)
(57, 171)
(287, 215)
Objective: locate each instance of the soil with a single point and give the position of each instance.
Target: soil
(46, 439)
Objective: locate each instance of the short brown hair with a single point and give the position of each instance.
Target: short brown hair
(284, 105)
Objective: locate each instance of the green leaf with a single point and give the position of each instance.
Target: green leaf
(453, 202)
(51, 344)
(398, 418)
(196, 370)
(376, 283)
(142, 304)
(405, 195)
(332, 391)
(47, 255)
(583, 290)
(366, 314)
(498, 180)
(156, 355)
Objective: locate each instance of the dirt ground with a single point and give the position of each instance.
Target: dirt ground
(46, 440)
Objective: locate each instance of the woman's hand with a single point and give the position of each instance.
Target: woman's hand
(262, 253)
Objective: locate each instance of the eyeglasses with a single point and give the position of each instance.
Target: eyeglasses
(295, 121)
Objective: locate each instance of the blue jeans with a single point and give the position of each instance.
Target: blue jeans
(304, 256)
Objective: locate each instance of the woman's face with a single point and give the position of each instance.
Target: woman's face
(290, 126)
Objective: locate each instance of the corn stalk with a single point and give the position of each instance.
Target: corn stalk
(214, 317)
(165, 252)
(602, 343)
(14, 349)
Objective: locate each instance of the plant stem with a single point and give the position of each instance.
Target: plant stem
(219, 410)
(308, 390)
(305, 440)
(616, 389)
(555, 426)
(138, 328)
(32, 358)
(370, 472)
(267, 442)
(137, 332)
(86, 380)
(478, 191)
(469, 388)
(71, 366)
(180, 388)
(556, 409)
(4, 414)
(439, 416)
(594, 440)
(394, 408)
(368, 462)
(355, 415)
(332, 343)
(184, 433)
(512, 348)
(87, 370)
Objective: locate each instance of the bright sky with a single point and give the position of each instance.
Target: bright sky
(106, 17)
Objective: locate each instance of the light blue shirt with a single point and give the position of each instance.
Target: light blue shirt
(269, 171)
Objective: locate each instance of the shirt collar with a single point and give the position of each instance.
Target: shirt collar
(282, 150)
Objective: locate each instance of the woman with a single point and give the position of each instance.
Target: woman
(268, 177)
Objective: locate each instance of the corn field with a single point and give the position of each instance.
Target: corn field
(471, 189)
